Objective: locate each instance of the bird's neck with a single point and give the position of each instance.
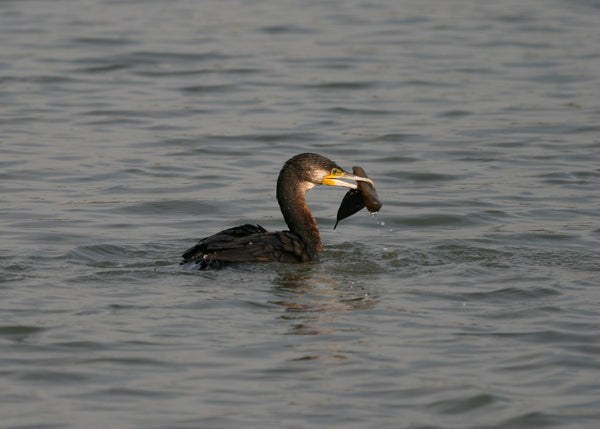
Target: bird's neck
(297, 215)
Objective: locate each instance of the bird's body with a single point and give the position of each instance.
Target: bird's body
(252, 243)
(247, 243)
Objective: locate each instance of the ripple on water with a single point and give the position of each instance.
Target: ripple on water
(51, 377)
(433, 220)
(462, 405)
(104, 255)
(131, 257)
(416, 176)
(170, 207)
(19, 333)
(212, 89)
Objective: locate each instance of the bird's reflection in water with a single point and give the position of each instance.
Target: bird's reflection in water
(314, 300)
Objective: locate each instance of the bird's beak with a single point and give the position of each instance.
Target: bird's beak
(335, 179)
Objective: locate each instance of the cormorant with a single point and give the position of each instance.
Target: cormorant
(252, 243)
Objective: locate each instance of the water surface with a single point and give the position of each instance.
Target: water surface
(131, 129)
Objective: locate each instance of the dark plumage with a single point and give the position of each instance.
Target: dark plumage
(252, 243)
(247, 243)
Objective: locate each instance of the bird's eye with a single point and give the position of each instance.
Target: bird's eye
(334, 171)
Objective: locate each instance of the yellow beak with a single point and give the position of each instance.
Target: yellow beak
(336, 180)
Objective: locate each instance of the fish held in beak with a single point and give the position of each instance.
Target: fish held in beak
(364, 195)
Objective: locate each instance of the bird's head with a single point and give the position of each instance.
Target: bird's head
(314, 169)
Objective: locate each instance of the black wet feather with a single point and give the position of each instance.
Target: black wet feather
(246, 243)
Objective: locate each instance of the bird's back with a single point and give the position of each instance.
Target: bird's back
(246, 243)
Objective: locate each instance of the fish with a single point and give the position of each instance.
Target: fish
(356, 199)
(353, 202)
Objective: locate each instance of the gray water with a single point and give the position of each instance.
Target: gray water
(131, 129)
